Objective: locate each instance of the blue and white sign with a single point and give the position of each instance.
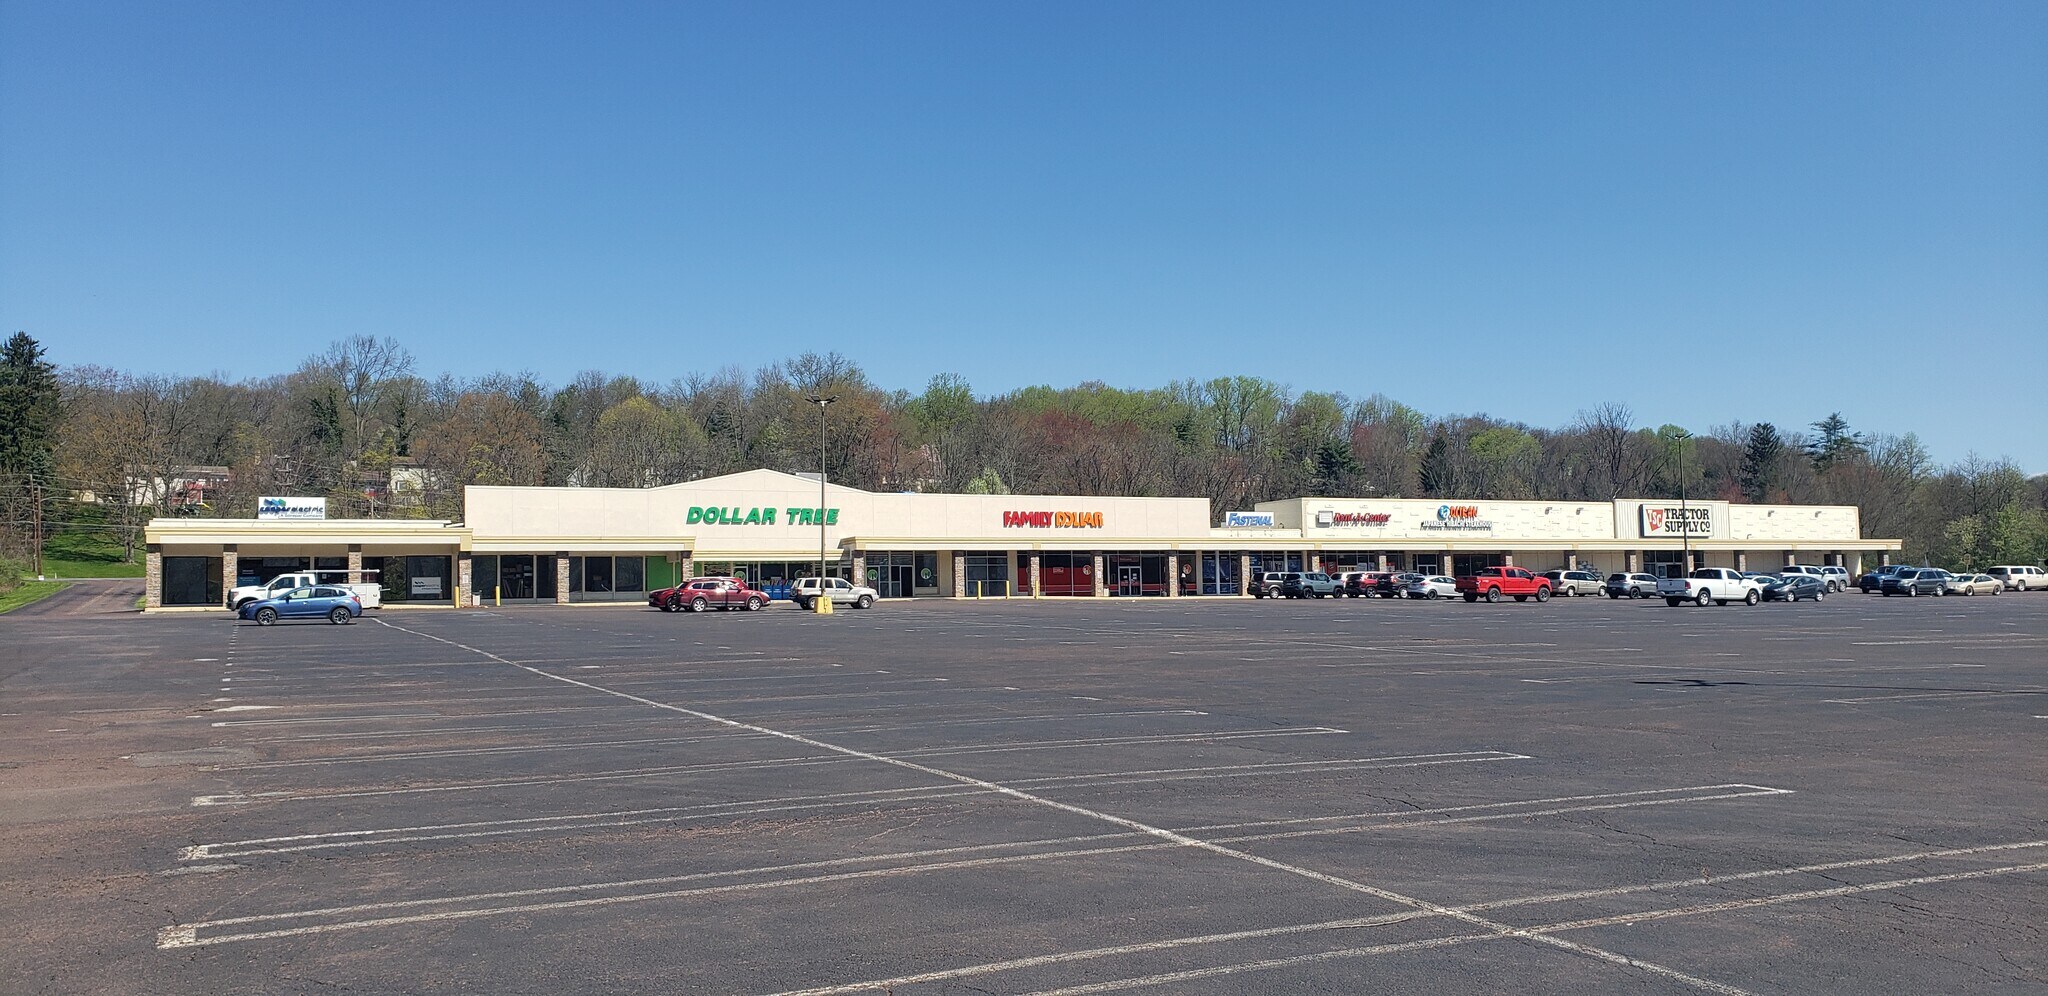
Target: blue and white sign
(291, 508)
(1248, 520)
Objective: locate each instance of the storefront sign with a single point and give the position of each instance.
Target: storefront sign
(426, 586)
(737, 516)
(1458, 518)
(1352, 519)
(1248, 520)
(1689, 520)
(1052, 520)
(291, 508)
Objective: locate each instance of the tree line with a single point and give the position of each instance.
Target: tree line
(360, 425)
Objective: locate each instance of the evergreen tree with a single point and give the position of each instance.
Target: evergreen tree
(1439, 469)
(28, 407)
(1762, 462)
(1836, 443)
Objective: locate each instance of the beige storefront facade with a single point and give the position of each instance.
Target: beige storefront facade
(573, 545)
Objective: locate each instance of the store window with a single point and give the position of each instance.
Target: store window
(1463, 564)
(192, 581)
(988, 574)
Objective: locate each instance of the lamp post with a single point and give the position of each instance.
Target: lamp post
(824, 603)
(1684, 523)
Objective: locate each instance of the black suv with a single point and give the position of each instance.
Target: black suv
(1393, 583)
(1307, 584)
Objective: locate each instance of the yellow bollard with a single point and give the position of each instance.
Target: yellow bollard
(497, 596)
(823, 604)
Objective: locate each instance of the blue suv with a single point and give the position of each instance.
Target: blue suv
(1914, 581)
(336, 605)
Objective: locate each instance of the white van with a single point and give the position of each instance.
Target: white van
(2019, 578)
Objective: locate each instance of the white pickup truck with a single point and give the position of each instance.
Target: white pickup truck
(1718, 585)
(370, 593)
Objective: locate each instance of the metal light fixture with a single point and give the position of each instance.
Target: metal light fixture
(824, 603)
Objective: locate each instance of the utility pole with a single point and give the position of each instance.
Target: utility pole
(36, 533)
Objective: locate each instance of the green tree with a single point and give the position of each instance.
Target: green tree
(1836, 443)
(1439, 472)
(29, 397)
(1762, 462)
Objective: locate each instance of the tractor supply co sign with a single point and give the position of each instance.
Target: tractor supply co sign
(1248, 520)
(1458, 519)
(1693, 521)
(1327, 519)
(291, 508)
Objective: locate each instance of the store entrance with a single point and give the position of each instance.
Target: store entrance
(1130, 580)
(895, 581)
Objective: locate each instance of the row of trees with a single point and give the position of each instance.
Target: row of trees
(360, 425)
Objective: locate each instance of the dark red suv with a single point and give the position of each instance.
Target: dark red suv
(702, 594)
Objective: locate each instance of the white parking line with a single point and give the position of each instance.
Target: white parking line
(990, 968)
(188, 934)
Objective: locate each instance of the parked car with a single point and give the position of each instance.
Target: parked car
(1393, 583)
(1839, 575)
(1269, 584)
(2019, 577)
(369, 594)
(1812, 572)
(1874, 580)
(1566, 582)
(1973, 584)
(1716, 585)
(1631, 585)
(1364, 583)
(333, 603)
(705, 594)
(1307, 584)
(671, 599)
(1793, 587)
(1493, 582)
(1431, 586)
(1911, 581)
(841, 591)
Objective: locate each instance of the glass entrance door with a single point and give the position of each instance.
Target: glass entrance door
(515, 576)
(1130, 580)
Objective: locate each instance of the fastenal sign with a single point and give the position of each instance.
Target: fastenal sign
(1690, 520)
(291, 508)
(1248, 520)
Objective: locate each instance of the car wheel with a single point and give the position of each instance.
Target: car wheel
(339, 616)
(1470, 597)
(699, 604)
(1817, 596)
(1431, 594)
(1614, 595)
(1493, 594)
(1543, 594)
(1703, 598)
(1673, 602)
(753, 605)
(864, 602)
(1753, 597)
(266, 617)
(1521, 598)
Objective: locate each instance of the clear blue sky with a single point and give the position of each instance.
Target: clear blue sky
(1712, 212)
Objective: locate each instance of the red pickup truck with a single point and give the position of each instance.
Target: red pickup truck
(1493, 582)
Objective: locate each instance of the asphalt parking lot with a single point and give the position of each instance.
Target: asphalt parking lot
(1187, 796)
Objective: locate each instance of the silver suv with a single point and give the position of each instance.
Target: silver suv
(1564, 582)
(1269, 584)
(841, 591)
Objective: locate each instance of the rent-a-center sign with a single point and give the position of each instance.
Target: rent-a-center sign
(1674, 520)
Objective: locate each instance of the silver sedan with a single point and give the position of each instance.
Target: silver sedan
(1972, 584)
(1432, 586)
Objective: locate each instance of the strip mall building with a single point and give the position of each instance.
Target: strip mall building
(523, 545)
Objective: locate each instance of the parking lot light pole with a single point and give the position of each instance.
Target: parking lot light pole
(824, 602)
(1684, 523)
